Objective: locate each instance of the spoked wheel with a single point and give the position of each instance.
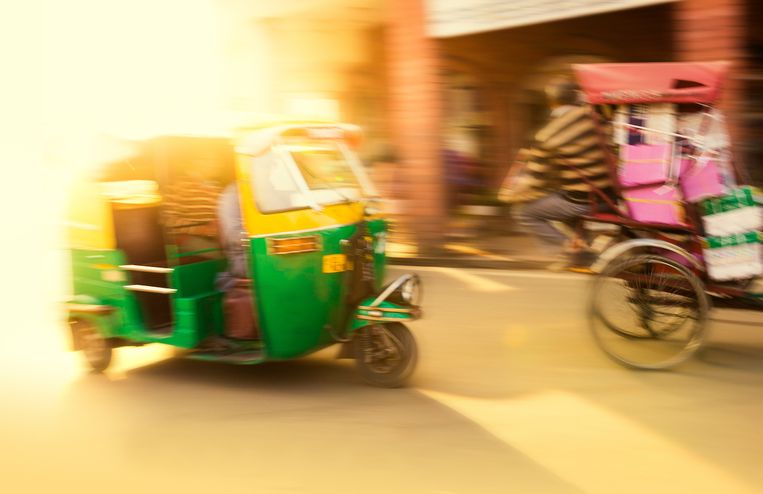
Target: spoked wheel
(385, 354)
(648, 312)
(96, 349)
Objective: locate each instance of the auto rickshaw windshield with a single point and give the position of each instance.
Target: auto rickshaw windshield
(301, 175)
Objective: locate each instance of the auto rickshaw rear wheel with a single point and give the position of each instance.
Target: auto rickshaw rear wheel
(95, 348)
(385, 354)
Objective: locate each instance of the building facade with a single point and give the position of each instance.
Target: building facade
(469, 74)
(448, 90)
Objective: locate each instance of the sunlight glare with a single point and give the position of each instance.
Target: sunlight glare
(138, 67)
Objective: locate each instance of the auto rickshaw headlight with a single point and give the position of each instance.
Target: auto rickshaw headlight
(373, 207)
(410, 292)
(370, 210)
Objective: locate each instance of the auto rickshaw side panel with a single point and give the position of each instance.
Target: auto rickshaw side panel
(197, 303)
(97, 276)
(98, 279)
(300, 295)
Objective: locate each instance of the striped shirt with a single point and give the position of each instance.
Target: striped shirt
(565, 148)
(190, 207)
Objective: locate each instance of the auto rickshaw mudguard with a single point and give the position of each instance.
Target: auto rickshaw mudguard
(381, 308)
(385, 311)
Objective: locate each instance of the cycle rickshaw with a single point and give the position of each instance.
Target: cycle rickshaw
(689, 235)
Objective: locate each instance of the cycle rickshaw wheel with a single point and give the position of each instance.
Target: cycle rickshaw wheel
(648, 312)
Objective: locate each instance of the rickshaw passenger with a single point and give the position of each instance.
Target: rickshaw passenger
(566, 148)
(240, 315)
(231, 226)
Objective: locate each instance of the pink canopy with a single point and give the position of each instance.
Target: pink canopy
(679, 82)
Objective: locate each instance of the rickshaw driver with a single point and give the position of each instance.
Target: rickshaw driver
(563, 165)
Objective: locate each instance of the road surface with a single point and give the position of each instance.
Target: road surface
(511, 395)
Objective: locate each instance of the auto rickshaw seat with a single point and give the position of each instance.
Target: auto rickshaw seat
(197, 279)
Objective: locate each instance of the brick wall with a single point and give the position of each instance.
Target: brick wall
(715, 30)
(415, 109)
(709, 29)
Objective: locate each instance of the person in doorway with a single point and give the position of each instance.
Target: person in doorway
(231, 228)
(460, 158)
(564, 164)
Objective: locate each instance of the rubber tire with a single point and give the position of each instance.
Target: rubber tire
(699, 333)
(399, 375)
(96, 349)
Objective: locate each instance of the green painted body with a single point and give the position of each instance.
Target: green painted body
(196, 306)
(299, 305)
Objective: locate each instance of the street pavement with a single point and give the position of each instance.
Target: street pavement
(511, 395)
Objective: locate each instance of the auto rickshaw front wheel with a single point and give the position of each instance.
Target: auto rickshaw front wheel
(95, 348)
(385, 354)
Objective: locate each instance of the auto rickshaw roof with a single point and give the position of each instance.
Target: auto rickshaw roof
(668, 82)
(159, 157)
(151, 158)
(255, 141)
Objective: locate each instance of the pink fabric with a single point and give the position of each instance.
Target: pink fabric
(644, 164)
(681, 259)
(655, 204)
(651, 82)
(700, 182)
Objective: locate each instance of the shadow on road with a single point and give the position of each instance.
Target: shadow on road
(287, 426)
(735, 356)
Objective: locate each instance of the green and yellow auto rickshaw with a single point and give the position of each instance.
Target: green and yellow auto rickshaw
(150, 264)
